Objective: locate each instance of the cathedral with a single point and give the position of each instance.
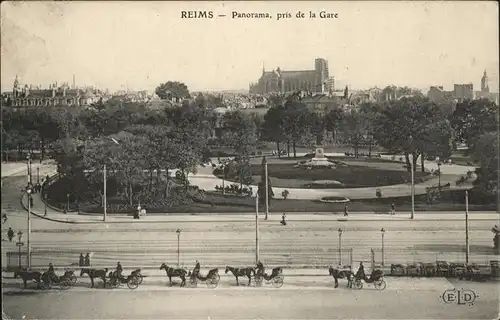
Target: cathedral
(281, 81)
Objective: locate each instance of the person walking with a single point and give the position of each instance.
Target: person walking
(4, 217)
(345, 210)
(81, 262)
(10, 234)
(393, 210)
(87, 259)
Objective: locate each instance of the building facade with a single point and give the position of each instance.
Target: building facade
(281, 81)
(29, 96)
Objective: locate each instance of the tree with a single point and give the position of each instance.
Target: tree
(294, 122)
(354, 129)
(272, 128)
(471, 119)
(172, 90)
(333, 120)
(410, 125)
(261, 191)
(486, 153)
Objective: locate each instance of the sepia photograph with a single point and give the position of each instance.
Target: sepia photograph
(250, 160)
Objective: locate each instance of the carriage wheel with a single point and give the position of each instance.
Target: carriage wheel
(277, 281)
(133, 283)
(358, 284)
(380, 284)
(65, 284)
(258, 281)
(194, 282)
(73, 279)
(213, 282)
(44, 285)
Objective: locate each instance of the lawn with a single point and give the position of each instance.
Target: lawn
(286, 175)
(213, 202)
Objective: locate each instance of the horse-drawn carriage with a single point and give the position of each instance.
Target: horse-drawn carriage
(258, 274)
(275, 278)
(132, 280)
(376, 278)
(66, 281)
(211, 279)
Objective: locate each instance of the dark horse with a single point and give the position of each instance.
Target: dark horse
(28, 276)
(340, 274)
(95, 273)
(171, 272)
(241, 272)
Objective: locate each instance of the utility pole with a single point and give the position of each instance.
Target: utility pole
(466, 227)
(267, 186)
(256, 228)
(412, 189)
(28, 192)
(104, 195)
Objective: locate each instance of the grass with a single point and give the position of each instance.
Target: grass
(218, 203)
(352, 176)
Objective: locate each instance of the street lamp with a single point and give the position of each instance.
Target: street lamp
(28, 192)
(340, 246)
(439, 173)
(28, 165)
(412, 183)
(178, 246)
(382, 231)
(19, 244)
(264, 160)
(38, 175)
(67, 201)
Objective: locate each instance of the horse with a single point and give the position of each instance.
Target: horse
(95, 273)
(171, 272)
(340, 274)
(240, 272)
(28, 276)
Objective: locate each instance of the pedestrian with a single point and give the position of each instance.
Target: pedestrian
(87, 259)
(393, 210)
(10, 234)
(345, 210)
(31, 200)
(4, 217)
(81, 262)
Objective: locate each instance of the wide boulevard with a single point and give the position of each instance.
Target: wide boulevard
(310, 240)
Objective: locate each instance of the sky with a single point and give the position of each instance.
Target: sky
(139, 45)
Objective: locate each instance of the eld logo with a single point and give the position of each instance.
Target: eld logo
(459, 296)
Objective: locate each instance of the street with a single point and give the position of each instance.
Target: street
(404, 298)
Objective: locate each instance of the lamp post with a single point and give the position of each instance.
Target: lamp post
(340, 246)
(178, 247)
(19, 244)
(28, 166)
(439, 176)
(257, 249)
(466, 227)
(104, 195)
(267, 186)
(38, 175)
(28, 192)
(67, 201)
(382, 231)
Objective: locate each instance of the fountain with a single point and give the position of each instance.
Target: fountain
(319, 158)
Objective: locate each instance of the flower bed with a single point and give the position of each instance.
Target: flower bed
(334, 199)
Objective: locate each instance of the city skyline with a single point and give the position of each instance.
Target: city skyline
(139, 45)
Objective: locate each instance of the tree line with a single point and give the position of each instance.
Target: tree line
(141, 146)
